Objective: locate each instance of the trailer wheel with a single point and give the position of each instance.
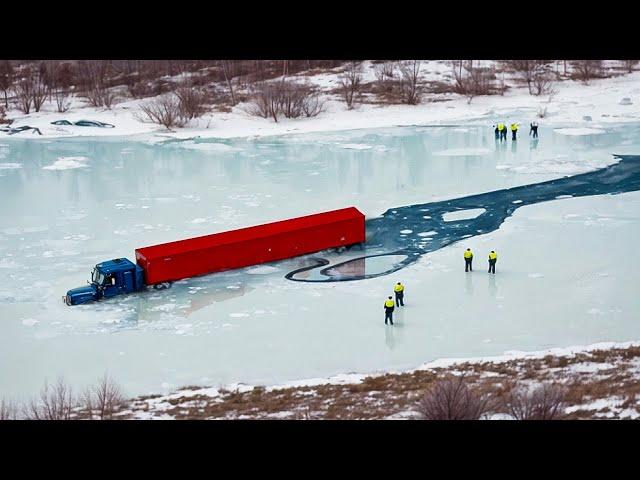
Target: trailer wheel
(162, 285)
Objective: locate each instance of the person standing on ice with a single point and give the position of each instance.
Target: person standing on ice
(534, 129)
(389, 306)
(502, 128)
(468, 258)
(497, 132)
(493, 258)
(399, 291)
(514, 130)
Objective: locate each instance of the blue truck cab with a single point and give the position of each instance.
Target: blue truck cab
(108, 279)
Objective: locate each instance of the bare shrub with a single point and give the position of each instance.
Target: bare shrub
(313, 105)
(6, 79)
(586, 70)
(452, 399)
(264, 101)
(192, 101)
(54, 403)
(164, 111)
(8, 410)
(542, 112)
(350, 81)
(287, 98)
(546, 402)
(542, 82)
(472, 81)
(410, 88)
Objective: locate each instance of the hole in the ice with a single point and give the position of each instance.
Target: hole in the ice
(366, 266)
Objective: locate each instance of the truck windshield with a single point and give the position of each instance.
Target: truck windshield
(97, 276)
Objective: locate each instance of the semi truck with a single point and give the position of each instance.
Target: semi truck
(160, 265)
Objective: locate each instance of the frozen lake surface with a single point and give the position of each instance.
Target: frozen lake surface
(563, 272)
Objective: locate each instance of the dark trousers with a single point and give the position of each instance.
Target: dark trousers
(467, 265)
(399, 299)
(388, 315)
(497, 134)
(503, 134)
(534, 130)
(513, 134)
(492, 266)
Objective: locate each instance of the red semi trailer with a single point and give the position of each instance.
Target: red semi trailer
(250, 246)
(167, 262)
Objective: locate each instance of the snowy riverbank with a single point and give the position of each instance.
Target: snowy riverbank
(600, 100)
(600, 380)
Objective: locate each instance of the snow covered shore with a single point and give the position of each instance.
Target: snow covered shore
(600, 100)
(600, 379)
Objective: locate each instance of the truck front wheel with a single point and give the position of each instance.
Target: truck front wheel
(162, 285)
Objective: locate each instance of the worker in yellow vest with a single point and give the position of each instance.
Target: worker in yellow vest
(493, 258)
(502, 128)
(468, 258)
(389, 306)
(399, 291)
(514, 130)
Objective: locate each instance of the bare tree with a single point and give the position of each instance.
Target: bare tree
(62, 80)
(94, 74)
(22, 91)
(164, 111)
(452, 399)
(384, 71)
(8, 410)
(586, 70)
(350, 81)
(108, 398)
(546, 402)
(40, 90)
(6, 79)
(409, 82)
(227, 69)
(528, 71)
(54, 403)
(542, 82)
(88, 402)
(629, 65)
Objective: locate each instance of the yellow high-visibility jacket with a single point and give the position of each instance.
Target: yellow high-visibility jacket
(514, 127)
(398, 288)
(468, 254)
(501, 126)
(493, 256)
(389, 304)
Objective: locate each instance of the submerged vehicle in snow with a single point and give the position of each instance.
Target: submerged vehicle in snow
(159, 265)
